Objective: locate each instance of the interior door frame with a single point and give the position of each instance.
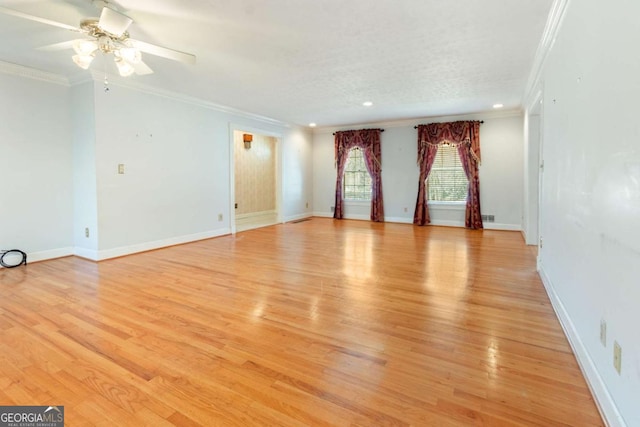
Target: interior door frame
(233, 127)
(531, 226)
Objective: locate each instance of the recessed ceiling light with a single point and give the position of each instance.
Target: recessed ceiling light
(498, 105)
(367, 103)
(312, 125)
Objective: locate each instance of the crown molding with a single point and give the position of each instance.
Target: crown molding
(551, 29)
(487, 115)
(32, 73)
(115, 80)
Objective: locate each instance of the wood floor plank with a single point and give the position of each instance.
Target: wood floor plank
(319, 323)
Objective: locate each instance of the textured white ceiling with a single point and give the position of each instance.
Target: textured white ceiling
(302, 61)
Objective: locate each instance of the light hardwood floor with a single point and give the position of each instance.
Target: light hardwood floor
(319, 323)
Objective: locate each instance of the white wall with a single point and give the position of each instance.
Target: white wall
(297, 174)
(85, 198)
(501, 172)
(35, 163)
(60, 150)
(176, 158)
(590, 209)
(177, 169)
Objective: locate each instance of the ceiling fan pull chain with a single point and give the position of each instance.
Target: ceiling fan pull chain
(106, 80)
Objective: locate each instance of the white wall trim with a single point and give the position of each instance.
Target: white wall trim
(298, 217)
(148, 246)
(322, 214)
(604, 401)
(252, 215)
(32, 73)
(487, 225)
(350, 216)
(551, 29)
(447, 223)
(398, 219)
(444, 223)
(115, 80)
(86, 253)
(500, 226)
(358, 217)
(413, 122)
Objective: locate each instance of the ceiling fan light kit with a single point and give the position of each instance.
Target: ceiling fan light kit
(115, 40)
(83, 61)
(108, 35)
(124, 68)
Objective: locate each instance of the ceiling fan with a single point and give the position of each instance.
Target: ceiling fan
(107, 34)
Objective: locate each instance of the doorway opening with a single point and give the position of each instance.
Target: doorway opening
(256, 179)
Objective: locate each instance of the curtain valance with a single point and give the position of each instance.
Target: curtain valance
(453, 133)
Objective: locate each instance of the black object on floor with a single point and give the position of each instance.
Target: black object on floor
(12, 253)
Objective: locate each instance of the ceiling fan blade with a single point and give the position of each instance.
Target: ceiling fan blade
(114, 22)
(23, 15)
(57, 46)
(164, 52)
(142, 69)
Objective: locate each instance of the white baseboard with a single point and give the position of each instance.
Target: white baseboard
(252, 215)
(148, 246)
(486, 225)
(444, 223)
(499, 226)
(351, 216)
(602, 397)
(323, 214)
(447, 223)
(398, 219)
(50, 254)
(298, 217)
(86, 253)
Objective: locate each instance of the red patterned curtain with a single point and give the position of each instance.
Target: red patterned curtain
(368, 140)
(465, 135)
(470, 159)
(425, 160)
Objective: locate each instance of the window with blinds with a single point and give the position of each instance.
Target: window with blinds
(356, 180)
(447, 181)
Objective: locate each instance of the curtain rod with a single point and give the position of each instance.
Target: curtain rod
(381, 130)
(481, 122)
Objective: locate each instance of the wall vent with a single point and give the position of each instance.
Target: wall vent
(489, 218)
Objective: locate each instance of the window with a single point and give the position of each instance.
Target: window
(447, 181)
(356, 180)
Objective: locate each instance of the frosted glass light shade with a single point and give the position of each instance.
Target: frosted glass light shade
(83, 61)
(124, 68)
(85, 47)
(130, 54)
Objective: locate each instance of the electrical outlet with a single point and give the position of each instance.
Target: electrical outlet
(603, 332)
(617, 356)
(333, 208)
(220, 217)
(86, 232)
(121, 169)
(406, 209)
(306, 205)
